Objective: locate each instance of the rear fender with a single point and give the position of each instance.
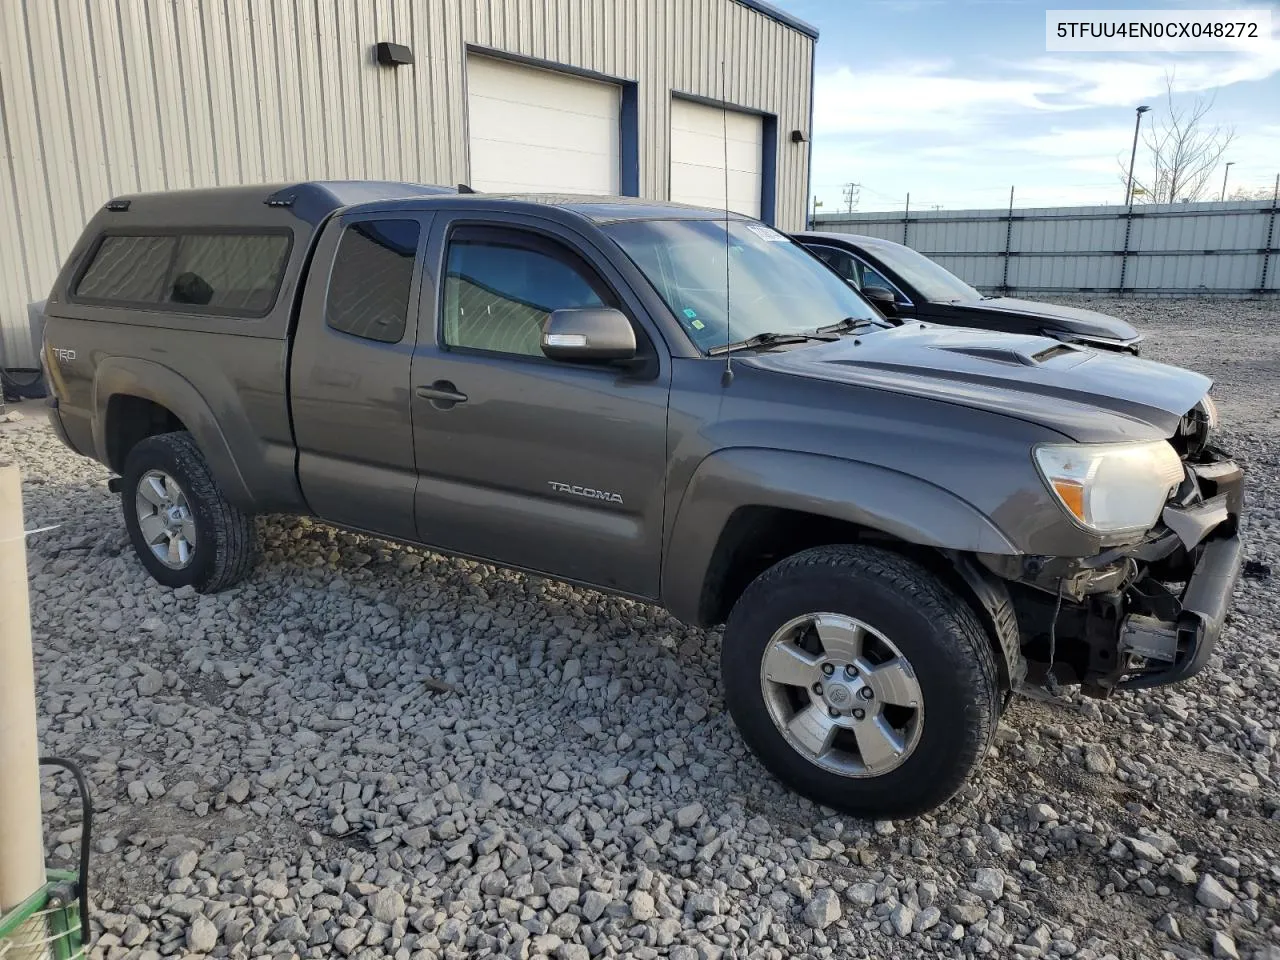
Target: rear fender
(153, 381)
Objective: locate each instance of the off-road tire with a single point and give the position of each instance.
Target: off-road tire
(226, 547)
(950, 652)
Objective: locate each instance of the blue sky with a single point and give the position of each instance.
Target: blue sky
(956, 100)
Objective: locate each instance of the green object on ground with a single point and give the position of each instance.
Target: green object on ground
(45, 926)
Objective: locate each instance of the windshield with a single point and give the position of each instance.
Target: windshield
(931, 281)
(775, 285)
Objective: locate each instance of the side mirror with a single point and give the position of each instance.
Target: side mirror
(881, 297)
(587, 334)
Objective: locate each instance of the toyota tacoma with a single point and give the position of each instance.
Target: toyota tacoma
(899, 527)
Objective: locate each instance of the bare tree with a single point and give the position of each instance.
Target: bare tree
(1181, 152)
(1251, 193)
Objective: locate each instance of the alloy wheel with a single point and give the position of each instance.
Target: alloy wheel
(842, 694)
(165, 519)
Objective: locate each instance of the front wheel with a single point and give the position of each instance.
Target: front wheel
(183, 529)
(861, 681)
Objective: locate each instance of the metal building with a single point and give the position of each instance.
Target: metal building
(103, 97)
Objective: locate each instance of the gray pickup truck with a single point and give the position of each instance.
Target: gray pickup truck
(900, 527)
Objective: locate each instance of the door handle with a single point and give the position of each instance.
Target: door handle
(442, 394)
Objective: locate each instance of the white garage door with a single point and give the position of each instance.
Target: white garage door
(698, 156)
(534, 130)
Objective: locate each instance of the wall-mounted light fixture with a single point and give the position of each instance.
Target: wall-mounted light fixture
(394, 54)
(797, 136)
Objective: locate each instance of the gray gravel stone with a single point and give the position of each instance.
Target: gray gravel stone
(613, 776)
(1224, 947)
(1168, 924)
(688, 815)
(1098, 759)
(561, 899)
(348, 941)
(291, 928)
(183, 864)
(967, 913)
(1043, 813)
(861, 894)
(902, 918)
(202, 936)
(1213, 894)
(642, 906)
(1144, 851)
(988, 883)
(594, 904)
(927, 919)
(823, 909)
(387, 906)
(150, 682)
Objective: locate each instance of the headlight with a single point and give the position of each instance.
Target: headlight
(1111, 487)
(1197, 426)
(1210, 414)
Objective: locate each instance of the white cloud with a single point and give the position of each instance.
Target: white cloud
(1057, 167)
(938, 96)
(916, 95)
(903, 6)
(959, 127)
(1095, 81)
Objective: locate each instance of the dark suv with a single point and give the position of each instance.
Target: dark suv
(899, 528)
(906, 285)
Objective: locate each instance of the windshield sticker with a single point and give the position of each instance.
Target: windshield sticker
(690, 312)
(765, 233)
(698, 325)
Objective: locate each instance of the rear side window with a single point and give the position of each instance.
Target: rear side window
(128, 270)
(372, 273)
(230, 271)
(234, 273)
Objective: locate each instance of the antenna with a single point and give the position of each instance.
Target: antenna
(726, 378)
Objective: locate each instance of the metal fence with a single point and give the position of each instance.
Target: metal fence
(1178, 249)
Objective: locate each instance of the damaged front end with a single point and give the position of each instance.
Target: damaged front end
(1146, 613)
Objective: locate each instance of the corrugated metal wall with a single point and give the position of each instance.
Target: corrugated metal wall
(103, 97)
(1228, 249)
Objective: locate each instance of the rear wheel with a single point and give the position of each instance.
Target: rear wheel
(183, 529)
(861, 681)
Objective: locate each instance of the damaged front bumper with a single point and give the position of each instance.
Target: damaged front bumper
(1144, 614)
(1173, 640)
(1177, 649)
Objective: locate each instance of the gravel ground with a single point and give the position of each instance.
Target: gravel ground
(372, 751)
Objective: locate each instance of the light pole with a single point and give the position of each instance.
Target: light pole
(1225, 171)
(1133, 154)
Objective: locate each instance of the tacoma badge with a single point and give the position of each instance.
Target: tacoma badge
(589, 492)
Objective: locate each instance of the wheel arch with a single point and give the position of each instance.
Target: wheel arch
(134, 399)
(746, 510)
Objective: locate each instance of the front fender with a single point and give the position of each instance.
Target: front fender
(877, 498)
(158, 383)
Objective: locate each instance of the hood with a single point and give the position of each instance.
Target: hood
(1088, 395)
(1087, 323)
